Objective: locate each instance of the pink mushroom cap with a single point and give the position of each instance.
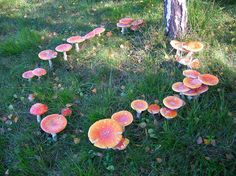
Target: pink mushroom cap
(89, 35)
(121, 25)
(63, 47)
(28, 74)
(99, 30)
(126, 20)
(137, 22)
(47, 54)
(39, 72)
(75, 39)
(38, 109)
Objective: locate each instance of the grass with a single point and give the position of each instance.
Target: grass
(121, 68)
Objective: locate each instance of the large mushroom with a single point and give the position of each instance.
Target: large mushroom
(208, 79)
(53, 124)
(139, 106)
(192, 47)
(28, 75)
(173, 102)
(105, 133)
(76, 40)
(180, 88)
(39, 72)
(124, 118)
(63, 48)
(38, 109)
(48, 55)
(192, 83)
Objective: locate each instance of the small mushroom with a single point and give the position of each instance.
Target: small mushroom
(173, 102)
(76, 40)
(53, 124)
(28, 75)
(153, 109)
(168, 113)
(123, 27)
(191, 73)
(134, 28)
(39, 72)
(38, 109)
(208, 79)
(192, 83)
(48, 55)
(138, 22)
(192, 93)
(63, 48)
(99, 30)
(194, 64)
(89, 35)
(126, 20)
(105, 133)
(66, 112)
(203, 88)
(122, 144)
(124, 118)
(139, 106)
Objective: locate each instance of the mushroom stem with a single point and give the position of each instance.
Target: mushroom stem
(39, 78)
(50, 64)
(189, 55)
(54, 137)
(123, 31)
(38, 118)
(77, 47)
(138, 114)
(65, 56)
(190, 98)
(181, 95)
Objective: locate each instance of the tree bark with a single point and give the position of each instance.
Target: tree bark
(175, 18)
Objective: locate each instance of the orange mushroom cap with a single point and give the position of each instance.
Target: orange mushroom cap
(191, 73)
(192, 83)
(105, 133)
(168, 113)
(53, 123)
(63, 47)
(139, 105)
(99, 30)
(173, 102)
(38, 109)
(75, 39)
(177, 45)
(153, 109)
(192, 93)
(47, 54)
(126, 20)
(122, 144)
(194, 46)
(89, 35)
(66, 112)
(195, 64)
(203, 88)
(28, 74)
(208, 79)
(39, 72)
(124, 118)
(137, 22)
(179, 87)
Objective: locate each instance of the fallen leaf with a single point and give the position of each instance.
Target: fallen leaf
(109, 34)
(94, 90)
(76, 140)
(159, 160)
(199, 140)
(206, 141)
(15, 119)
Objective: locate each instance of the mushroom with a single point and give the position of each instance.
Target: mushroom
(178, 46)
(28, 75)
(180, 87)
(126, 20)
(39, 72)
(99, 30)
(153, 109)
(173, 102)
(105, 133)
(208, 79)
(38, 109)
(76, 40)
(191, 93)
(203, 88)
(66, 112)
(139, 106)
(191, 73)
(192, 83)
(48, 55)
(168, 113)
(89, 35)
(134, 28)
(123, 26)
(138, 22)
(192, 47)
(122, 144)
(53, 124)
(63, 48)
(124, 118)
(194, 64)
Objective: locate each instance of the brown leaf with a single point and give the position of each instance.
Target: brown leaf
(109, 34)
(159, 160)
(94, 90)
(15, 119)
(76, 140)
(206, 141)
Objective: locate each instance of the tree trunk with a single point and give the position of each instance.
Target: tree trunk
(175, 17)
